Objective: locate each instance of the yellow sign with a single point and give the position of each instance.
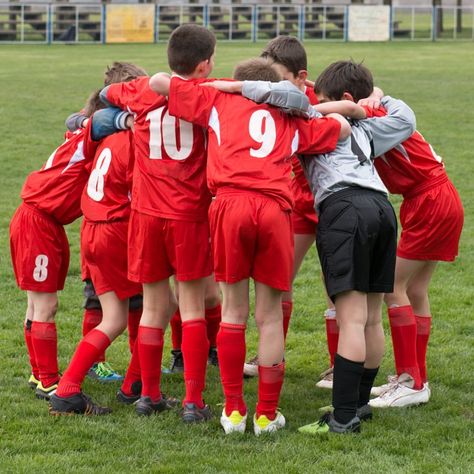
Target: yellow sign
(130, 23)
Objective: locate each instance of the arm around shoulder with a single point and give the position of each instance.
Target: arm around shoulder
(160, 83)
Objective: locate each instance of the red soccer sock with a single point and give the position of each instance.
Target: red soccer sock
(287, 308)
(133, 372)
(231, 349)
(332, 333)
(195, 347)
(31, 350)
(423, 327)
(92, 318)
(176, 330)
(270, 381)
(45, 345)
(92, 345)
(213, 320)
(150, 352)
(134, 316)
(403, 329)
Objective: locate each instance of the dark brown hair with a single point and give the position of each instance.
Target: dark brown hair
(122, 72)
(287, 51)
(188, 46)
(255, 69)
(345, 76)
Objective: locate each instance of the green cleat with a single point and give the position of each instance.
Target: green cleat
(103, 373)
(328, 424)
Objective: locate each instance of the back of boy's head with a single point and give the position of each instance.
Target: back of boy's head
(122, 72)
(287, 51)
(188, 46)
(93, 104)
(255, 69)
(345, 76)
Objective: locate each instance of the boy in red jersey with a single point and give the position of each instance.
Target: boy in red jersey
(431, 217)
(105, 205)
(39, 246)
(288, 57)
(169, 231)
(249, 172)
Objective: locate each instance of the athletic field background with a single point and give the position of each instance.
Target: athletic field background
(40, 87)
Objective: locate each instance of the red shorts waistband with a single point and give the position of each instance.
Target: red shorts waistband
(430, 184)
(41, 213)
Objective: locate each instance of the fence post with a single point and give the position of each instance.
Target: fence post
(434, 22)
(254, 23)
(205, 15)
(156, 24)
(390, 31)
(346, 23)
(22, 19)
(301, 21)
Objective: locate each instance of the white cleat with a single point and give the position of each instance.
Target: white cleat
(251, 367)
(381, 389)
(401, 395)
(326, 379)
(264, 425)
(234, 423)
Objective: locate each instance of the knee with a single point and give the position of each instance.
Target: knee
(46, 312)
(211, 300)
(417, 295)
(235, 315)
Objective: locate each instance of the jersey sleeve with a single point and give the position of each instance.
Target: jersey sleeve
(123, 95)
(316, 136)
(190, 101)
(389, 131)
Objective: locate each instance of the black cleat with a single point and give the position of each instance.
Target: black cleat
(212, 358)
(365, 412)
(130, 399)
(193, 414)
(146, 407)
(79, 404)
(177, 361)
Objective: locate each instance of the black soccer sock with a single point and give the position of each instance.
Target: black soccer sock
(366, 384)
(345, 391)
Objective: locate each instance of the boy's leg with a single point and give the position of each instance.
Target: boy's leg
(135, 309)
(68, 397)
(34, 377)
(213, 307)
(271, 348)
(195, 347)
(45, 342)
(231, 347)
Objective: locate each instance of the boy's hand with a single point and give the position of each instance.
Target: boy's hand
(374, 99)
(232, 87)
(309, 83)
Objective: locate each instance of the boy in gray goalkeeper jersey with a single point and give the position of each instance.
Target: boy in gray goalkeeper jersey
(356, 240)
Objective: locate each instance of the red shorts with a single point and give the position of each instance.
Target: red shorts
(251, 237)
(39, 250)
(431, 224)
(104, 258)
(304, 216)
(159, 248)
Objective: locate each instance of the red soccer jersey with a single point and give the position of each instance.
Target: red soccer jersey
(57, 187)
(250, 144)
(411, 167)
(106, 196)
(170, 156)
(304, 199)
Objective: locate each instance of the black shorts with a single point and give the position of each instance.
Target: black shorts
(357, 241)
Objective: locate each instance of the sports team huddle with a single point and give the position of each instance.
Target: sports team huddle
(189, 187)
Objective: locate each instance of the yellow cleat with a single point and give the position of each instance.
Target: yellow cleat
(264, 425)
(234, 423)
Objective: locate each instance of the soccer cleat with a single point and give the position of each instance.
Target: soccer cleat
(122, 397)
(234, 423)
(251, 367)
(44, 393)
(328, 424)
(325, 379)
(193, 414)
(212, 358)
(401, 395)
(177, 361)
(364, 412)
(145, 406)
(78, 404)
(379, 390)
(33, 382)
(103, 373)
(264, 425)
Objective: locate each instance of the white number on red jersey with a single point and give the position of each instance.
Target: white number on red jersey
(40, 273)
(163, 129)
(95, 185)
(262, 129)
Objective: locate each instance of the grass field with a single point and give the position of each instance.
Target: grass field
(40, 87)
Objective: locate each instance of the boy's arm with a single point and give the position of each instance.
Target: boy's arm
(389, 131)
(108, 121)
(374, 99)
(76, 121)
(160, 83)
(346, 108)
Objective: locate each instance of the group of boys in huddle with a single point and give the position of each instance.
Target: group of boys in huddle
(222, 181)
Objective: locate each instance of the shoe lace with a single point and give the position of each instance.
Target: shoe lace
(326, 373)
(391, 390)
(324, 420)
(104, 369)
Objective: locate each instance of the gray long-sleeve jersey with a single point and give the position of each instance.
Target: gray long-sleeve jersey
(351, 163)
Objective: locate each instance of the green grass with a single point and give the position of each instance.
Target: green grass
(40, 87)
